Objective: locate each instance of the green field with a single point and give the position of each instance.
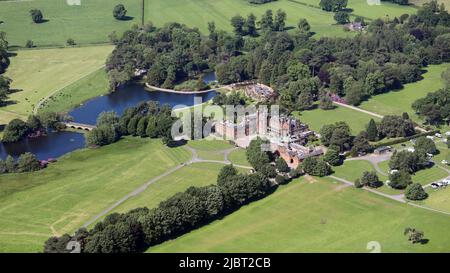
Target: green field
(238, 157)
(92, 21)
(424, 177)
(210, 149)
(397, 102)
(421, 2)
(317, 118)
(93, 85)
(438, 199)
(362, 8)
(37, 74)
(198, 174)
(318, 216)
(60, 198)
(353, 169)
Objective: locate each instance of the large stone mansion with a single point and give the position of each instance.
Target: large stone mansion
(288, 136)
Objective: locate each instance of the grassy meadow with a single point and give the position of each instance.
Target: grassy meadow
(317, 118)
(62, 197)
(92, 21)
(314, 216)
(437, 199)
(362, 8)
(94, 84)
(210, 149)
(88, 23)
(238, 157)
(37, 74)
(397, 102)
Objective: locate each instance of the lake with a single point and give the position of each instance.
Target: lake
(56, 144)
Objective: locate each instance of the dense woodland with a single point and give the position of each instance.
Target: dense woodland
(301, 68)
(4, 63)
(148, 119)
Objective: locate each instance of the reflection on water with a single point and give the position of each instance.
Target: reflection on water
(53, 145)
(57, 144)
(130, 96)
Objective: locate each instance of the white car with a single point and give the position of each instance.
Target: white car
(446, 181)
(444, 162)
(447, 133)
(411, 150)
(430, 137)
(438, 135)
(434, 186)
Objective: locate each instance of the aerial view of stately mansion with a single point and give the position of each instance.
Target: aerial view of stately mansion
(287, 136)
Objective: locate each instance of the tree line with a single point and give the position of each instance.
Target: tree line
(4, 63)
(27, 162)
(34, 126)
(148, 119)
(141, 228)
(435, 106)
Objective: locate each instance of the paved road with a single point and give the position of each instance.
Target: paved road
(374, 159)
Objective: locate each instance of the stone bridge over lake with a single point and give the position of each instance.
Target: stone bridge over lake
(80, 126)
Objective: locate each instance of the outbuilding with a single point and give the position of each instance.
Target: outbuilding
(382, 150)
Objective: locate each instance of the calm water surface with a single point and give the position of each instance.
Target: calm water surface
(57, 144)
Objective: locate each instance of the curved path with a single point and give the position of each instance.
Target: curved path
(194, 159)
(397, 198)
(374, 160)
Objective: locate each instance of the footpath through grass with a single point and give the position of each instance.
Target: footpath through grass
(62, 197)
(317, 216)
